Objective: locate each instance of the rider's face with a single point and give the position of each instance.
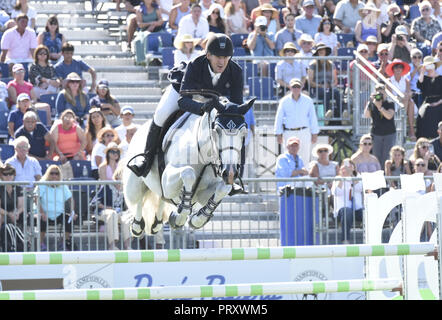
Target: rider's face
(218, 63)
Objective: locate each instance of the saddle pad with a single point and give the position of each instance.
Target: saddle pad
(173, 128)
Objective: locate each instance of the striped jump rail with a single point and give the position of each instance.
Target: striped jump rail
(222, 254)
(175, 292)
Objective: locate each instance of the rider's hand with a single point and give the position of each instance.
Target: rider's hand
(213, 103)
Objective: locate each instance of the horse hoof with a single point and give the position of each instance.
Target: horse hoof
(139, 224)
(156, 226)
(198, 221)
(176, 221)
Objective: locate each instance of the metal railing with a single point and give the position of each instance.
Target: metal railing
(300, 215)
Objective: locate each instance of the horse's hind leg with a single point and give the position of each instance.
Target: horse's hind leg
(134, 192)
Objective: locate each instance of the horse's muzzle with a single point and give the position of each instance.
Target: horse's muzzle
(229, 173)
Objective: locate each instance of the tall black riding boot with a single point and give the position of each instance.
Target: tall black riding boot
(141, 167)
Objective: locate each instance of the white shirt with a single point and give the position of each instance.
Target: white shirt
(166, 5)
(98, 150)
(122, 130)
(179, 56)
(215, 76)
(187, 26)
(342, 196)
(296, 114)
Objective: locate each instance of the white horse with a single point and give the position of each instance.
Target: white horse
(201, 158)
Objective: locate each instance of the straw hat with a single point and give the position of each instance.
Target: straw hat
(321, 46)
(112, 145)
(179, 41)
(320, 146)
(405, 67)
(267, 7)
(369, 7)
(371, 39)
(73, 77)
(305, 37)
(431, 60)
(382, 47)
(288, 45)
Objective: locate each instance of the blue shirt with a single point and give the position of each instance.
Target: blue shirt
(261, 48)
(286, 71)
(296, 114)
(283, 36)
(285, 164)
(52, 199)
(78, 66)
(16, 117)
(36, 139)
(309, 26)
(62, 104)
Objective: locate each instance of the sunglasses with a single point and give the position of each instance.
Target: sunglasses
(289, 51)
(42, 53)
(420, 164)
(75, 81)
(109, 135)
(426, 9)
(8, 173)
(367, 143)
(216, 12)
(384, 54)
(20, 71)
(416, 57)
(424, 147)
(440, 49)
(114, 152)
(326, 23)
(54, 173)
(322, 150)
(53, 23)
(363, 51)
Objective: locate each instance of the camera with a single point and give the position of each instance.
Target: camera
(263, 28)
(399, 38)
(378, 96)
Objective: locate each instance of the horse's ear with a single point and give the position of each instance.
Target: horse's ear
(244, 108)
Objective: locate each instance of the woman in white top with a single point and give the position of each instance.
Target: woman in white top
(104, 137)
(323, 166)
(326, 34)
(347, 198)
(22, 7)
(236, 18)
(186, 52)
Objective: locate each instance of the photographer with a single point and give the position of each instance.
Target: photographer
(383, 129)
(261, 42)
(395, 19)
(400, 47)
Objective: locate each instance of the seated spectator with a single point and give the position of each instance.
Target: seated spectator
(40, 140)
(4, 110)
(107, 168)
(261, 43)
(437, 142)
(425, 27)
(42, 74)
(194, 24)
(131, 5)
(437, 39)
(383, 60)
(322, 166)
(347, 197)
(52, 208)
(205, 6)
(272, 17)
(400, 47)
(52, 39)
(383, 129)
(18, 43)
(72, 97)
(15, 118)
(11, 198)
(27, 168)
(422, 151)
(368, 25)
(287, 34)
(69, 139)
(236, 17)
(95, 122)
(326, 35)
(439, 170)
(104, 137)
(329, 8)
(288, 69)
(363, 160)
(107, 103)
(68, 65)
(347, 15)
(185, 49)
(177, 12)
(420, 166)
(397, 164)
(323, 82)
(292, 7)
(306, 43)
(127, 116)
(429, 115)
(148, 18)
(397, 71)
(124, 144)
(413, 76)
(372, 45)
(22, 8)
(113, 211)
(4, 18)
(308, 22)
(395, 19)
(215, 18)
(382, 6)
(362, 49)
(8, 6)
(290, 164)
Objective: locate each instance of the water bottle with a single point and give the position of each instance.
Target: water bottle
(85, 172)
(160, 44)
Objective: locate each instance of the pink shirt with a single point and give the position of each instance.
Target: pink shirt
(19, 46)
(26, 87)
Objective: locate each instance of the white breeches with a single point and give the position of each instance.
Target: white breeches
(167, 105)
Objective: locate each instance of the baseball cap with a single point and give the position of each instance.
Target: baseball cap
(127, 109)
(293, 140)
(308, 3)
(23, 96)
(103, 84)
(295, 81)
(261, 21)
(17, 66)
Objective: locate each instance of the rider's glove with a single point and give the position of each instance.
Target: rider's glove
(209, 105)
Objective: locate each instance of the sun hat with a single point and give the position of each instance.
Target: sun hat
(73, 77)
(370, 7)
(288, 45)
(267, 7)
(361, 47)
(320, 146)
(112, 145)
(431, 60)
(213, 7)
(405, 67)
(321, 46)
(305, 37)
(179, 41)
(382, 47)
(295, 81)
(23, 96)
(372, 39)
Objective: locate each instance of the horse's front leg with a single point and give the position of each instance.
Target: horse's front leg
(134, 191)
(199, 219)
(178, 219)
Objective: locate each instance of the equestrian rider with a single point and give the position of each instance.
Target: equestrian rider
(215, 71)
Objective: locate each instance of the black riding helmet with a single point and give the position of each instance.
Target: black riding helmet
(219, 44)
